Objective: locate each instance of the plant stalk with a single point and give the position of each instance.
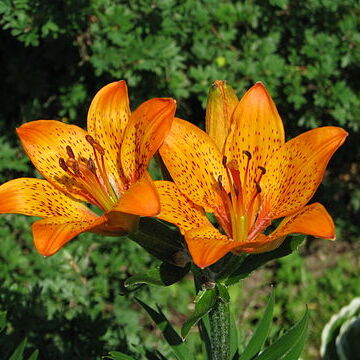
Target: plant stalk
(219, 318)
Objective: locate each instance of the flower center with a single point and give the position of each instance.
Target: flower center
(243, 201)
(91, 175)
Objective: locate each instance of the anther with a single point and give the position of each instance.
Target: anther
(95, 144)
(224, 160)
(91, 165)
(247, 153)
(262, 169)
(63, 165)
(258, 188)
(236, 189)
(75, 168)
(220, 180)
(70, 152)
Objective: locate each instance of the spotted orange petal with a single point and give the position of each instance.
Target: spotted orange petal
(147, 127)
(207, 245)
(221, 103)
(257, 129)
(195, 163)
(297, 168)
(107, 119)
(45, 143)
(311, 220)
(36, 197)
(141, 198)
(178, 209)
(51, 234)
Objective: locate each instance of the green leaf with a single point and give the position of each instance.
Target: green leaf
(163, 275)
(223, 293)
(158, 239)
(116, 355)
(262, 330)
(171, 336)
(234, 341)
(204, 302)
(34, 355)
(18, 353)
(2, 320)
(252, 262)
(290, 344)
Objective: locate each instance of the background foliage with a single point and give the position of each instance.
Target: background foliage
(55, 55)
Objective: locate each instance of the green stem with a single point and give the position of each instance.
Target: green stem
(219, 318)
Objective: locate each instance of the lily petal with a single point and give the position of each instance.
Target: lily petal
(141, 198)
(147, 127)
(45, 143)
(257, 129)
(178, 209)
(221, 103)
(51, 234)
(297, 168)
(195, 163)
(36, 197)
(207, 245)
(107, 119)
(311, 220)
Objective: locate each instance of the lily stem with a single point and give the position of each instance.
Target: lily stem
(219, 318)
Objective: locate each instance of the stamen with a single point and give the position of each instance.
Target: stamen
(95, 144)
(263, 170)
(220, 181)
(70, 152)
(74, 167)
(224, 160)
(258, 188)
(248, 154)
(63, 165)
(91, 166)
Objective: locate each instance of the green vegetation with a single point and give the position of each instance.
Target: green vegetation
(56, 54)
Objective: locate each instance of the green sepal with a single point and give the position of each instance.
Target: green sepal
(160, 241)
(258, 339)
(163, 275)
(176, 343)
(254, 261)
(290, 345)
(204, 302)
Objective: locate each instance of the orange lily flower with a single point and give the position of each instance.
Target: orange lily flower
(105, 166)
(246, 175)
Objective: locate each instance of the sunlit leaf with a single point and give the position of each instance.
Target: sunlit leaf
(204, 302)
(287, 347)
(262, 330)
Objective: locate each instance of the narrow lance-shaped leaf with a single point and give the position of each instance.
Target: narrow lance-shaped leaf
(253, 261)
(287, 343)
(258, 339)
(163, 275)
(171, 336)
(204, 302)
